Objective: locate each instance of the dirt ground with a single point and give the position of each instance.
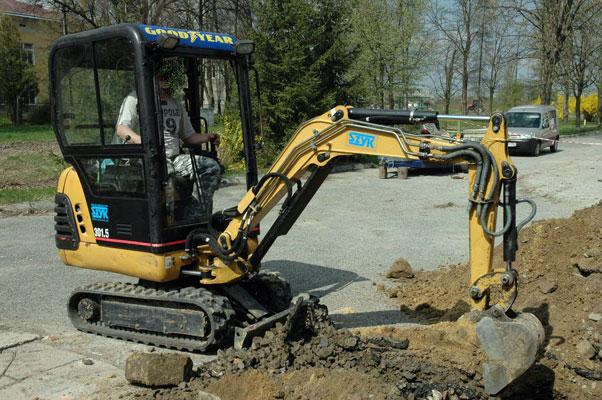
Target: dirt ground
(29, 164)
(560, 268)
(560, 281)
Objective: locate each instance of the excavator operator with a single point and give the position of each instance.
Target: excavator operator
(176, 127)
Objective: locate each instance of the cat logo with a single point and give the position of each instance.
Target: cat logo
(362, 140)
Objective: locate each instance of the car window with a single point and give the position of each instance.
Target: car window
(523, 120)
(552, 119)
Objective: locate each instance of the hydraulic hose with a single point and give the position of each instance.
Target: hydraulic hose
(469, 153)
(531, 215)
(485, 156)
(483, 220)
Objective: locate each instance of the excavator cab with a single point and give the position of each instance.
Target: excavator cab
(130, 198)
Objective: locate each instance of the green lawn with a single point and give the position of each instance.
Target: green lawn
(28, 172)
(22, 195)
(27, 133)
(569, 128)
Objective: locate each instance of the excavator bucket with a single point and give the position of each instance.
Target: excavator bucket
(511, 345)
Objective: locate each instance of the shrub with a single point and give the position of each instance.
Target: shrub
(39, 115)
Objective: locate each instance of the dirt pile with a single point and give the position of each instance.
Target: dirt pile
(560, 281)
(323, 362)
(559, 264)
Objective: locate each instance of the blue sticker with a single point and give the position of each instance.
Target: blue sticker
(100, 212)
(190, 38)
(362, 140)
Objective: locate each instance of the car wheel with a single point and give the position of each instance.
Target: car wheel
(536, 149)
(554, 147)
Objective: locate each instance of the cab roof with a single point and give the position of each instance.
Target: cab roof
(191, 38)
(212, 42)
(532, 108)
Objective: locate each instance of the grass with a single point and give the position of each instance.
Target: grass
(22, 195)
(27, 133)
(28, 172)
(569, 128)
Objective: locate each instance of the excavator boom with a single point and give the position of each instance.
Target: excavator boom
(346, 131)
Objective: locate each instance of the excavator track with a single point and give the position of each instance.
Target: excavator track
(189, 318)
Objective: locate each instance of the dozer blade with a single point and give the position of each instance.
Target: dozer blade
(510, 344)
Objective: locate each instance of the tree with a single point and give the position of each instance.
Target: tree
(391, 50)
(17, 77)
(552, 21)
(501, 46)
(301, 59)
(459, 28)
(443, 79)
(580, 61)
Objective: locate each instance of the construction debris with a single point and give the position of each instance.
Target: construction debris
(158, 369)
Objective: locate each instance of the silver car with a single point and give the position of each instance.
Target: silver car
(532, 128)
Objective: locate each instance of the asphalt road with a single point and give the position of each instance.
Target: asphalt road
(355, 227)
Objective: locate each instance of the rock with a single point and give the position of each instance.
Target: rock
(408, 375)
(349, 343)
(87, 361)
(600, 354)
(585, 349)
(157, 369)
(595, 316)
(239, 364)
(206, 396)
(436, 395)
(400, 269)
(546, 286)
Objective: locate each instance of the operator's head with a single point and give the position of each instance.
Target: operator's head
(171, 77)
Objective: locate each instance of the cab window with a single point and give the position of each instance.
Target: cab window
(94, 81)
(77, 108)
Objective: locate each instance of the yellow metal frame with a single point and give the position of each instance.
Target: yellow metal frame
(315, 143)
(323, 136)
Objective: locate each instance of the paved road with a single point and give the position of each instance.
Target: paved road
(354, 229)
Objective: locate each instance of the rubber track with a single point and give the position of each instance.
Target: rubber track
(216, 307)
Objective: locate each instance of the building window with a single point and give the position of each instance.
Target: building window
(29, 53)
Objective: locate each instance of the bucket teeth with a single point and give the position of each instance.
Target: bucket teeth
(511, 346)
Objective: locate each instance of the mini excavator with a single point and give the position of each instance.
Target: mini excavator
(199, 285)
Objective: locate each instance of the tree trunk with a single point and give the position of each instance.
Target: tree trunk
(465, 87)
(491, 93)
(479, 70)
(578, 107)
(565, 105)
(547, 71)
(600, 94)
(382, 86)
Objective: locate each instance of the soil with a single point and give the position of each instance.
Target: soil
(560, 280)
(28, 175)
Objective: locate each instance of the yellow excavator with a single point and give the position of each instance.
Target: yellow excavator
(119, 207)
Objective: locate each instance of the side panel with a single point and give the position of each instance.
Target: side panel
(91, 255)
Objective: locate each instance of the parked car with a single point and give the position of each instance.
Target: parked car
(532, 128)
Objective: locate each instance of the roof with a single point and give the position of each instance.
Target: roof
(191, 38)
(532, 108)
(26, 10)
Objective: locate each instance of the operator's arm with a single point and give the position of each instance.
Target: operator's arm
(128, 118)
(127, 134)
(189, 136)
(200, 138)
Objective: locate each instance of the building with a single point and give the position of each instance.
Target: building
(39, 28)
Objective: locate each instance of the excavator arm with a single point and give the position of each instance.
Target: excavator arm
(230, 251)
(344, 131)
